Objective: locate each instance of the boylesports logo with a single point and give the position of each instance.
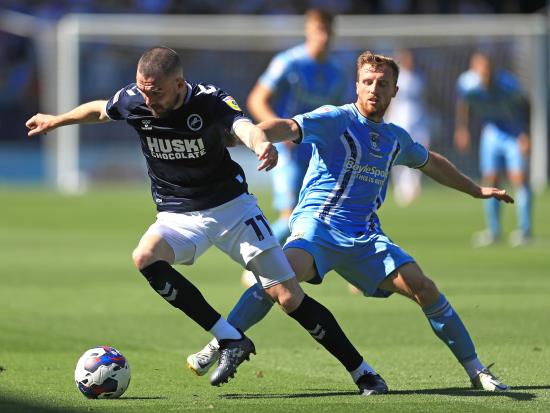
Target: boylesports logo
(176, 148)
(366, 173)
(194, 122)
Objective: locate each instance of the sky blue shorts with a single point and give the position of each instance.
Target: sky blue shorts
(364, 261)
(499, 151)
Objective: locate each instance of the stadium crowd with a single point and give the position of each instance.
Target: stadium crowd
(53, 9)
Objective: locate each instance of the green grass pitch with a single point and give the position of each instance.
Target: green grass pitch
(67, 283)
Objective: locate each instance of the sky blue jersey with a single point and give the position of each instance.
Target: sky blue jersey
(347, 178)
(503, 104)
(300, 83)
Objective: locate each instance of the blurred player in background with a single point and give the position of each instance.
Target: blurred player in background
(202, 200)
(297, 80)
(408, 110)
(335, 224)
(496, 98)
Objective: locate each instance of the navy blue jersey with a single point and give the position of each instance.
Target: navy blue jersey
(187, 160)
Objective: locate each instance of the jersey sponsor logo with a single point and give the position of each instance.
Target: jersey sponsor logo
(194, 122)
(232, 103)
(146, 124)
(367, 173)
(176, 148)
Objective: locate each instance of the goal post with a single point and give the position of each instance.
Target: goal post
(444, 40)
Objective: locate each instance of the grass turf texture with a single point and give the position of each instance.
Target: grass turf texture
(67, 284)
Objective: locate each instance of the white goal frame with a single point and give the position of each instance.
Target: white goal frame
(274, 33)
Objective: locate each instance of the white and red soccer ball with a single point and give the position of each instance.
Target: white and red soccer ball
(102, 373)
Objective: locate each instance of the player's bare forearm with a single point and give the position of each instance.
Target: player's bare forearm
(279, 130)
(255, 139)
(441, 170)
(91, 112)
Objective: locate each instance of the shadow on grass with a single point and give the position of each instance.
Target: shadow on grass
(144, 398)
(20, 406)
(514, 393)
(467, 392)
(315, 393)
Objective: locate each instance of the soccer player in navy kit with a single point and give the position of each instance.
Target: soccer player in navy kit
(335, 224)
(202, 200)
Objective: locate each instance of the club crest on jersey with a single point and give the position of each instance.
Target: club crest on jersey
(232, 103)
(194, 122)
(146, 124)
(374, 141)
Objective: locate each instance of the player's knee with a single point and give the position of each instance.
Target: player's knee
(142, 258)
(290, 302)
(428, 292)
(288, 298)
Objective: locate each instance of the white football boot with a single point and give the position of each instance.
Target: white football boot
(199, 363)
(485, 380)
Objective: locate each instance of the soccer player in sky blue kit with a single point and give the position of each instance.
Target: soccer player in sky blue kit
(335, 224)
(202, 200)
(495, 96)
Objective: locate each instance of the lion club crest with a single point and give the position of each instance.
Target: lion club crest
(194, 122)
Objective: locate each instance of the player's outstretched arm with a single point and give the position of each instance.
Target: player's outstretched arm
(256, 140)
(279, 130)
(440, 169)
(91, 112)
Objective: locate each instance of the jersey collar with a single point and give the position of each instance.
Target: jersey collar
(367, 120)
(188, 94)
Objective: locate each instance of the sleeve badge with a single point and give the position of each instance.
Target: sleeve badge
(232, 103)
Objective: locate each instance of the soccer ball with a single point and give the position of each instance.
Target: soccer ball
(102, 373)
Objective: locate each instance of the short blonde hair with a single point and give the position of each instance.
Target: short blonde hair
(376, 60)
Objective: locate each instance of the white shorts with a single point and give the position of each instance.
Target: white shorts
(237, 227)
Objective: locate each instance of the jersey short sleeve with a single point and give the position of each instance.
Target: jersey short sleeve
(322, 124)
(275, 72)
(411, 154)
(227, 109)
(123, 101)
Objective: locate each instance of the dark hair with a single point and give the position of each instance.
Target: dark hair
(324, 16)
(376, 60)
(161, 61)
